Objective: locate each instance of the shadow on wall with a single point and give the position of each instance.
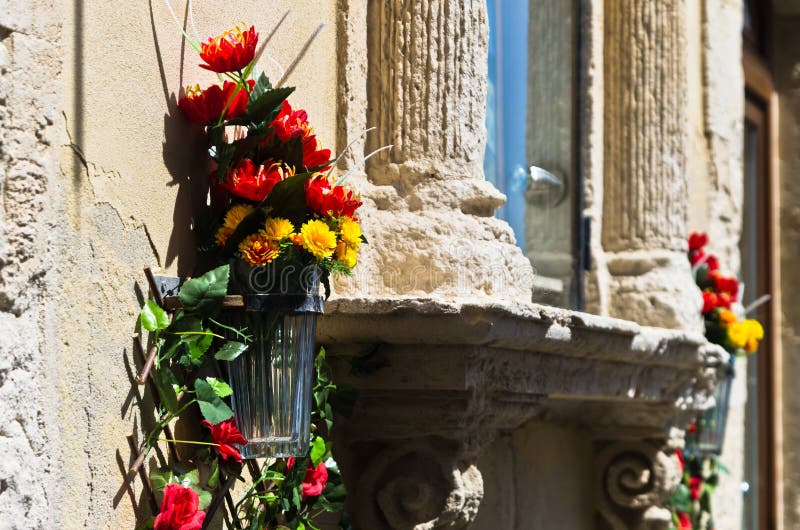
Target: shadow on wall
(181, 143)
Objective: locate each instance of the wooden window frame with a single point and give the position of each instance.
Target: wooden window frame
(760, 92)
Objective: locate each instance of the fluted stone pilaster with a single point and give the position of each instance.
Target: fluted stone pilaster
(645, 179)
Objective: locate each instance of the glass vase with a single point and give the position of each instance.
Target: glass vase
(271, 383)
(272, 380)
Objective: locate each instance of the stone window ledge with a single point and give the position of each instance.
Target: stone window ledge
(471, 368)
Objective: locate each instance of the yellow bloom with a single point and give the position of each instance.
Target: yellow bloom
(727, 317)
(746, 334)
(351, 232)
(231, 221)
(258, 249)
(346, 255)
(317, 238)
(278, 229)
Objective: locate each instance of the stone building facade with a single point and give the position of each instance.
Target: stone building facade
(494, 412)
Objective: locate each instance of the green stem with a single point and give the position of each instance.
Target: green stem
(187, 442)
(196, 333)
(246, 338)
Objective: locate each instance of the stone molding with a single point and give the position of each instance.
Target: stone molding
(456, 374)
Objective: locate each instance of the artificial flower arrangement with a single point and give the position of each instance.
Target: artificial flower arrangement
(725, 325)
(274, 206)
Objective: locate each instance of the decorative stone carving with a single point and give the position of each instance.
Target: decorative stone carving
(644, 223)
(415, 484)
(634, 480)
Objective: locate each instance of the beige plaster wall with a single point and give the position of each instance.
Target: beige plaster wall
(93, 85)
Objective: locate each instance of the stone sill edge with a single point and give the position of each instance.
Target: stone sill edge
(533, 327)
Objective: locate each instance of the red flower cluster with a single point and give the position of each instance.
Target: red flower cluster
(179, 510)
(205, 106)
(721, 290)
(290, 124)
(336, 201)
(248, 182)
(315, 479)
(229, 52)
(226, 434)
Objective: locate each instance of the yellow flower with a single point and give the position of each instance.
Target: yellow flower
(351, 232)
(317, 238)
(746, 334)
(346, 255)
(278, 229)
(232, 219)
(727, 317)
(258, 249)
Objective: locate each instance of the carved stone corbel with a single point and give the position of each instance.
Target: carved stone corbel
(420, 485)
(634, 481)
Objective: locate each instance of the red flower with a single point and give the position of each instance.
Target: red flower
(335, 202)
(692, 427)
(697, 240)
(694, 487)
(696, 256)
(206, 106)
(712, 300)
(229, 52)
(244, 180)
(313, 156)
(712, 262)
(179, 510)
(685, 522)
(315, 479)
(290, 123)
(682, 462)
(225, 434)
(725, 284)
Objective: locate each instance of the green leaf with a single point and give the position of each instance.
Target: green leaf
(153, 317)
(264, 99)
(205, 498)
(211, 406)
(288, 199)
(159, 478)
(318, 450)
(213, 479)
(197, 346)
(147, 524)
(206, 293)
(230, 351)
(220, 388)
(166, 383)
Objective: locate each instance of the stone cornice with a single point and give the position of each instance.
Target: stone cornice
(494, 365)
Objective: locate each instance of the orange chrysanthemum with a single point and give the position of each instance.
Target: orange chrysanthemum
(229, 52)
(258, 249)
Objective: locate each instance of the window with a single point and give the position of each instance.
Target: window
(531, 148)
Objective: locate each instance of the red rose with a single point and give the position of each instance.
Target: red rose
(694, 487)
(225, 434)
(685, 522)
(315, 479)
(725, 284)
(229, 52)
(697, 240)
(712, 262)
(246, 181)
(179, 510)
(335, 202)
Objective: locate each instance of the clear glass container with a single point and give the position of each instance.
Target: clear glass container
(272, 381)
(709, 430)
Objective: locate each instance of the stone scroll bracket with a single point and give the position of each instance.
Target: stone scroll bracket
(419, 483)
(634, 480)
